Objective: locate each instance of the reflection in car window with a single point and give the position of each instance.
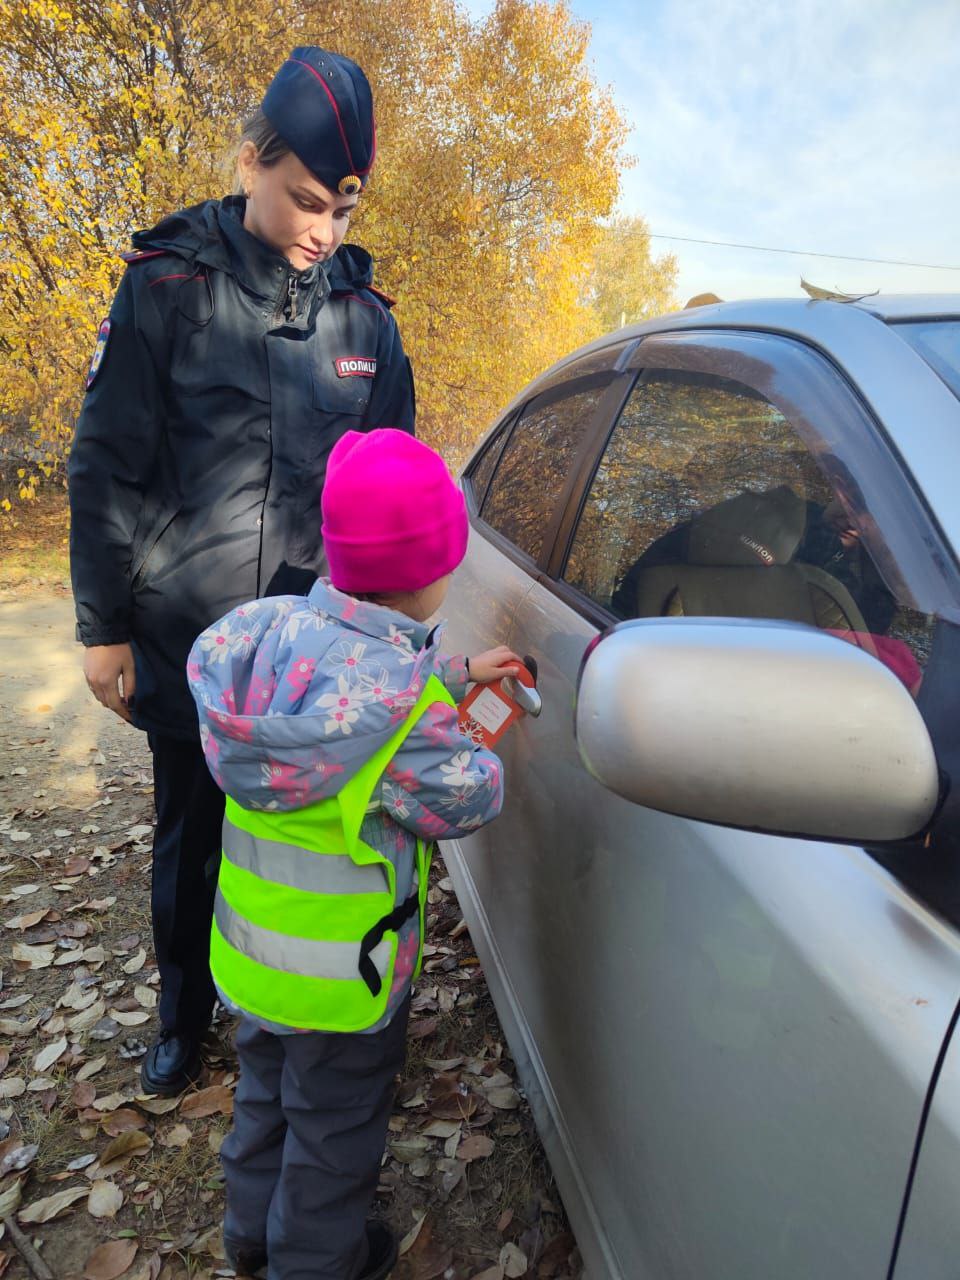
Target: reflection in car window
(534, 466)
(707, 503)
(483, 469)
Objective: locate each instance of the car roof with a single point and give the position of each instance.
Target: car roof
(812, 320)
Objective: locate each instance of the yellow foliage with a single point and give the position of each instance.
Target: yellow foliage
(499, 160)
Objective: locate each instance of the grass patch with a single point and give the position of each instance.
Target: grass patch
(34, 539)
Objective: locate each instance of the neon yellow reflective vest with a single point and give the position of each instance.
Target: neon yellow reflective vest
(306, 917)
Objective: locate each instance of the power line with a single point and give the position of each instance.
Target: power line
(805, 253)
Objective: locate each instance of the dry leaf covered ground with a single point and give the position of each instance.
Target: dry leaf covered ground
(105, 1182)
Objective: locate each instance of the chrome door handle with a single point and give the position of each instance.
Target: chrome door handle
(527, 699)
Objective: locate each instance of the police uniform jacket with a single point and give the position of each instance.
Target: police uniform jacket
(196, 471)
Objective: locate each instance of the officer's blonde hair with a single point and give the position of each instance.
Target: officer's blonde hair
(270, 146)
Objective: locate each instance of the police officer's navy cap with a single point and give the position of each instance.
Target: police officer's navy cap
(321, 106)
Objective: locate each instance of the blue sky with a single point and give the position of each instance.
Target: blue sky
(828, 125)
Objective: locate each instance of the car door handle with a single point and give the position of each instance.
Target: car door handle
(526, 698)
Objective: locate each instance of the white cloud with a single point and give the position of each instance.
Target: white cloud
(815, 125)
(827, 125)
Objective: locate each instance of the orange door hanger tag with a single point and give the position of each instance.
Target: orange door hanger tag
(488, 711)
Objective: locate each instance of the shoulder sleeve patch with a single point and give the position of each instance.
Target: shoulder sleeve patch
(141, 255)
(384, 297)
(99, 351)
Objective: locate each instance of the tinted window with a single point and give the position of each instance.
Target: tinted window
(485, 466)
(707, 503)
(535, 464)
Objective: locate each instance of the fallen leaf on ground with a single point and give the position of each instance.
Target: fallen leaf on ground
(123, 1120)
(88, 1017)
(408, 1240)
(176, 1137)
(82, 1094)
(17, 1158)
(11, 1027)
(513, 1262)
(48, 1056)
(91, 1068)
(157, 1106)
(136, 1019)
(554, 1258)
(477, 1147)
(420, 1028)
(13, 1087)
(217, 1100)
(406, 1150)
(441, 1129)
(35, 957)
(135, 963)
(108, 1261)
(504, 1099)
(81, 1162)
(76, 998)
(109, 1102)
(10, 1197)
(29, 920)
(51, 1207)
(125, 1145)
(451, 1100)
(105, 1200)
(15, 1002)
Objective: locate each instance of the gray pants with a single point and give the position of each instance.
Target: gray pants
(303, 1159)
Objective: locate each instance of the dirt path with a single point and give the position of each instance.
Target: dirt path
(108, 1183)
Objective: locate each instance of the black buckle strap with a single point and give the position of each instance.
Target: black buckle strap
(395, 920)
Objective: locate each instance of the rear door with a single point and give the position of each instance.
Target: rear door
(729, 1036)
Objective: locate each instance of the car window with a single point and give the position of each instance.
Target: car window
(706, 502)
(482, 469)
(536, 463)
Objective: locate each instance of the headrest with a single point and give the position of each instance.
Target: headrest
(751, 529)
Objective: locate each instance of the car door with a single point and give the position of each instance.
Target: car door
(728, 1036)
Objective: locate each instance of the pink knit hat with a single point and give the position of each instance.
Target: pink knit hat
(393, 520)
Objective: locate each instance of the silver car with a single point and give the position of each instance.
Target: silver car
(720, 914)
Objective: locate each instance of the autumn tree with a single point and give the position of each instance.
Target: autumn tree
(499, 160)
(626, 283)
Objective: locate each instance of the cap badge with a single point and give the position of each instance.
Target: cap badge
(350, 185)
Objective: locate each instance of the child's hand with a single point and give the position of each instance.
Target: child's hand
(494, 664)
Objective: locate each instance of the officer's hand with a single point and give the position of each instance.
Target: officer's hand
(494, 664)
(109, 673)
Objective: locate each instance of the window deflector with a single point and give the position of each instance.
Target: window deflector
(842, 436)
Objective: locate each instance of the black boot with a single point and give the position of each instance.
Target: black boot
(382, 1251)
(246, 1260)
(172, 1064)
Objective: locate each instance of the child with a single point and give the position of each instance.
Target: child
(330, 722)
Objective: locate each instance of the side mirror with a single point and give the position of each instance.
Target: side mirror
(765, 725)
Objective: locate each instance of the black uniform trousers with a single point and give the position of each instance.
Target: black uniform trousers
(186, 862)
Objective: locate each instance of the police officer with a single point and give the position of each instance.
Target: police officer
(244, 340)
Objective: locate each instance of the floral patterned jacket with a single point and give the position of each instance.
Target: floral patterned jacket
(296, 693)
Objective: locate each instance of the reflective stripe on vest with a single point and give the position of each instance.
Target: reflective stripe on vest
(306, 919)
